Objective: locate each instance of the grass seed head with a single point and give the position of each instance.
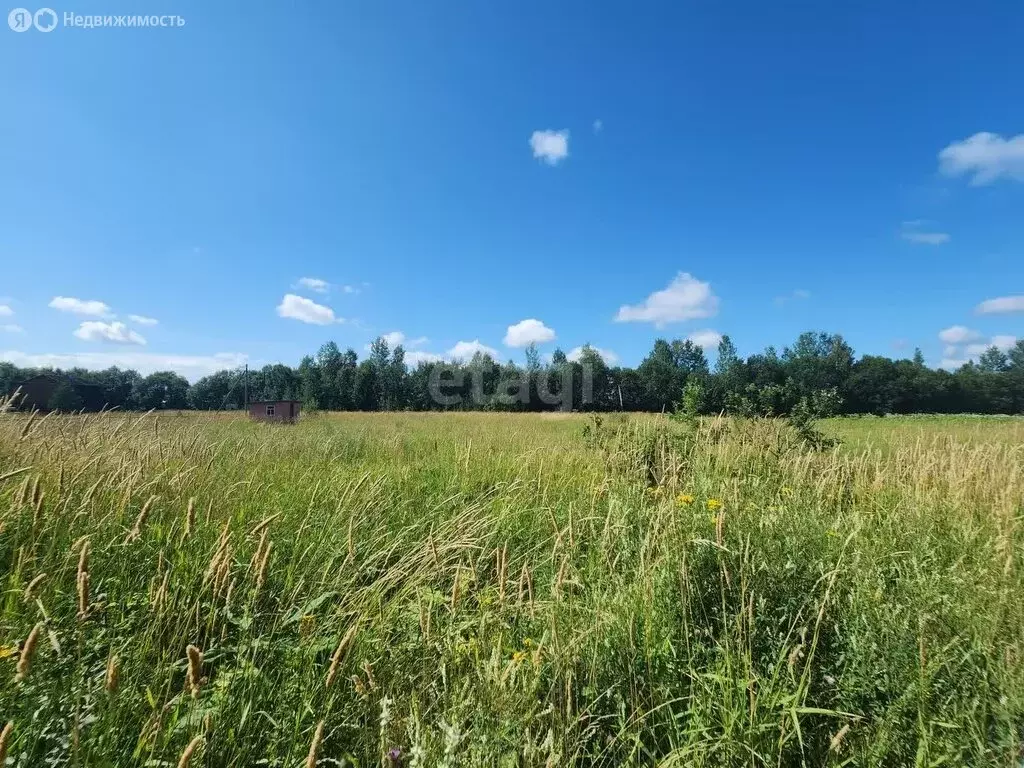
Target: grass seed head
(5, 741)
(186, 756)
(113, 674)
(195, 670)
(314, 747)
(30, 590)
(29, 649)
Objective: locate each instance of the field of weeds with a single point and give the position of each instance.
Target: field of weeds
(509, 590)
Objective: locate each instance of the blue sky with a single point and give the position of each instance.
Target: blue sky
(745, 168)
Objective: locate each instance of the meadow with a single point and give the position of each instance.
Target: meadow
(509, 590)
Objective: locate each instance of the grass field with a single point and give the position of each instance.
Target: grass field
(509, 590)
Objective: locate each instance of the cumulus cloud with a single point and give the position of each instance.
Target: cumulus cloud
(464, 350)
(192, 367)
(529, 331)
(306, 311)
(143, 320)
(925, 238)
(609, 357)
(416, 357)
(11, 328)
(5, 311)
(91, 308)
(550, 146)
(1003, 342)
(953, 363)
(959, 334)
(706, 338)
(394, 338)
(985, 157)
(314, 284)
(115, 333)
(1002, 305)
(685, 298)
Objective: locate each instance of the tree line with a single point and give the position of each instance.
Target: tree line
(767, 383)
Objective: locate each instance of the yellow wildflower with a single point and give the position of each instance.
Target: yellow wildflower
(684, 499)
(787, 491)
(520, 656)
(714, 504)
(8, 650)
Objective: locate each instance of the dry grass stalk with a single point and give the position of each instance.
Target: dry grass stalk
(837, 740)
(339, 653)
(136, 531)
(263, 524)
(161, 593)
(456, 587)
(186, 756)
(25, 659)
(82, 580)
(190, 519)
(5, 740)
(314, 747)
(194, 680)
(501, 571)
(261, 569)
(113, 674)
(30, 590)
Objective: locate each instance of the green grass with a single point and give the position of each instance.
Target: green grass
(511, 590)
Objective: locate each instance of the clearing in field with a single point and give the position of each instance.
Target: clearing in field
(483, 589)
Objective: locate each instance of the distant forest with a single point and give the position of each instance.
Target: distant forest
(768, 383)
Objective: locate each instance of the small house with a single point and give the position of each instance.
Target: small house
(286, 411)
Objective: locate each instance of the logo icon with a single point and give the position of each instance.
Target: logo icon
(45, 19)
(20, 19)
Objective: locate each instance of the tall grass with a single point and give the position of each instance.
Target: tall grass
(481, 589)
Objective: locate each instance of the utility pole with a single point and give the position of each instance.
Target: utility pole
(245, 384)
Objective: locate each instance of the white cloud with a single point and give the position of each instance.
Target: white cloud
(550, 146)
(143, 320)
(306, 310)
(926, 238)
(314, 284)
(11, 328)
(609, 357)
(349, 289)
(80, 307)
(598, 125)
(1001, 305)
(794, 295)
(951, 364)
(529, 331)
(464, 350)
(958, 334)
(685, 298)
(394, 338)
(986, 157)
(706, 338)
(414, 358)
(115, 333)
(191, 367)
(5, 311)
(1000, 342)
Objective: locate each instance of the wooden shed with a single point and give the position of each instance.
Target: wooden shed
(286, 411)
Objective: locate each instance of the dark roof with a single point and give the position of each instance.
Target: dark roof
(261, 402)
